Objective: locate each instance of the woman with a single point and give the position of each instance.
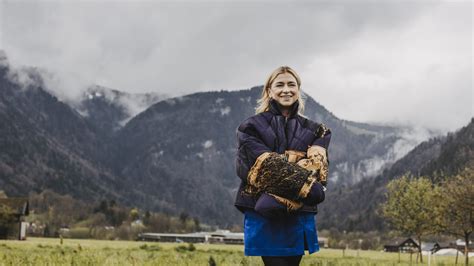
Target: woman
(273, 144)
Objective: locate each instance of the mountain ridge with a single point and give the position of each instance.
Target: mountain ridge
(356, 207)
(176, 156)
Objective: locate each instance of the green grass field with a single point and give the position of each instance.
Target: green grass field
(49, 251)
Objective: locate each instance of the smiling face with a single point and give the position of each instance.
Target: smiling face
(284, 90)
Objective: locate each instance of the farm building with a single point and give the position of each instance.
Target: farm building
(434, 247)
(408, 244)
(401, 245)
(224, 237)
(188, 238)
(323, 241)
(461, 245)
(442, 245)
(12, 213)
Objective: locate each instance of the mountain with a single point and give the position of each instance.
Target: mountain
(175, 156)
(46, 144)
(354, 207)
(109, 110)
(457, 152)
(180, 152)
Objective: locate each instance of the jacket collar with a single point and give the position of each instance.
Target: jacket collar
(275, 108)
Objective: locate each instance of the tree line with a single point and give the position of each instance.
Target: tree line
(55, 215)
(417, 206)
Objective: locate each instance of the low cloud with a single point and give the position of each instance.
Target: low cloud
(404, 62)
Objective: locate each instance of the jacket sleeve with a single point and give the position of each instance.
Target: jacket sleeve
(315, 196)
(323, 136)
(250, 146)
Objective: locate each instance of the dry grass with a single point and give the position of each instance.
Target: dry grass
(49, 251)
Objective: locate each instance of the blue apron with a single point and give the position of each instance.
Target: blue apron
(281, 237)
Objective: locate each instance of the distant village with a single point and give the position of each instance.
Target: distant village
(14, 227)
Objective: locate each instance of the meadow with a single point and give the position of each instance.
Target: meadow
(50, 251)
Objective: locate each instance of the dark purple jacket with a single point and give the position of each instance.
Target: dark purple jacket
(272, 132)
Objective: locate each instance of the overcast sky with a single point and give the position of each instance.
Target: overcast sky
(392, 62)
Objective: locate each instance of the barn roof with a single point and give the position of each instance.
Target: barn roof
(400, 241)
(20, 206)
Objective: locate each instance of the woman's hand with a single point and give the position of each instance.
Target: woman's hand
(317, 163)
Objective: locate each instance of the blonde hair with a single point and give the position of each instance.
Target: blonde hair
(264, 101)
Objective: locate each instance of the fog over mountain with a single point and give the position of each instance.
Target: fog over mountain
(367, 61)
(177, 155)
(356, 207)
